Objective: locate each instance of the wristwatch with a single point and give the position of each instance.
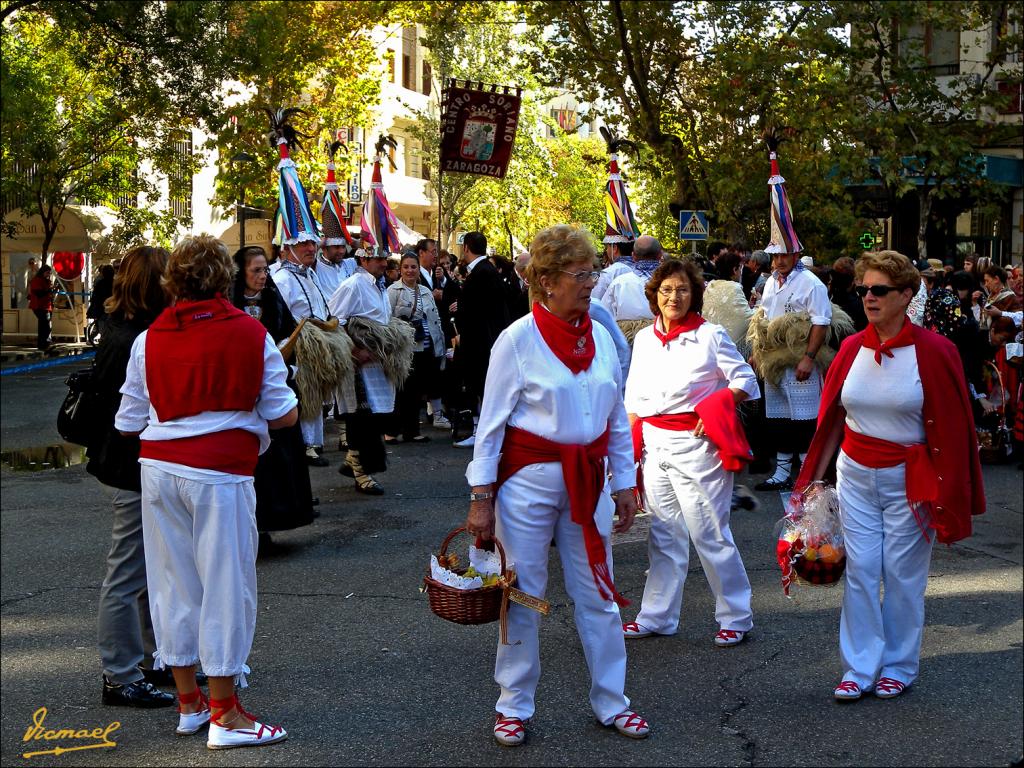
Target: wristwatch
(481, 496)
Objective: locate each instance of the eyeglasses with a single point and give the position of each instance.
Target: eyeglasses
(259, 270)
(875, 290)
(584, 276)
(669, 292)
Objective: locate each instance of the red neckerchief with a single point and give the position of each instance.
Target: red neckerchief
(691, 322)
(904, 338)
(572, 344)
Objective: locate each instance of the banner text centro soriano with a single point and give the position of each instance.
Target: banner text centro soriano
(478, 128)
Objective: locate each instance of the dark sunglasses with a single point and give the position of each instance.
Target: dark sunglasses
(875, 290)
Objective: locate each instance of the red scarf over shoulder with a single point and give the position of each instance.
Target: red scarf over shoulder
(950, 436)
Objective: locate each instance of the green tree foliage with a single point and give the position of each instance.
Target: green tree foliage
(918, 113)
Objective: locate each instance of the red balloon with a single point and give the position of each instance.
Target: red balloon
(68, 264)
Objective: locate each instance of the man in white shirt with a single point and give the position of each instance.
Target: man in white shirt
(617, 256)
(296, 281)
(791, 406)
(361, 296)
(625, 297)
(333, 266)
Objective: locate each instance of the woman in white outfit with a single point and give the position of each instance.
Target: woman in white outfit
(204, 383)
(552, 401)
(895, 406)
(685, 381)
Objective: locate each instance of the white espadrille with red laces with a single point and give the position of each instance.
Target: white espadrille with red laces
(223, 737)
(509, 731)
(191, 722)
(727, 637)
(630, 629)
(630, 724)
(889, 688)
(847, 691)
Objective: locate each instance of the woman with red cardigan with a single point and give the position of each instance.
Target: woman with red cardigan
(895, 406)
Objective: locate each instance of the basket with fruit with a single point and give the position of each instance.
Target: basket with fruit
(810, 544)
(473, 594)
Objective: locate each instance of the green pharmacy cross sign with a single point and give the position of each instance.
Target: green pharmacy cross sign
(867, 240)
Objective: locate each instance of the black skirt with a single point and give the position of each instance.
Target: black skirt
(284, 499)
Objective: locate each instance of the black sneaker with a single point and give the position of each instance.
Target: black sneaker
(162, 678)
(138, 694)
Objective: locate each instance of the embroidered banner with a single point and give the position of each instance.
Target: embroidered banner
(478, 128)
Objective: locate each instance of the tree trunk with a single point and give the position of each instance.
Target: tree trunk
(924, 213)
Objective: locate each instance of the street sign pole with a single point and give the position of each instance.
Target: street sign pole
(693, 226)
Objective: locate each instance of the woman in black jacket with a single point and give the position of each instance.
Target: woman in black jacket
(125, 630)
(284, 499)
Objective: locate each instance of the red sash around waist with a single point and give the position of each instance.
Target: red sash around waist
(873, 452)
(233, 451)
(584, 473)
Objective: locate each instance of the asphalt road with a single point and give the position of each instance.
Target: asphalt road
(350, 660)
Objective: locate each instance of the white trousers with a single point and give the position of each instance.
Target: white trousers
(792, 399)
(533, 508)
(690, 495)
(200, 541)
(884, 547)
(313, 430)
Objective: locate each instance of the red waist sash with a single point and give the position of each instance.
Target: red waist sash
(583, 470)
(873, 452)
(233, 451)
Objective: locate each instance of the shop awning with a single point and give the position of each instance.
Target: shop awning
(81, 228)
(998, 169)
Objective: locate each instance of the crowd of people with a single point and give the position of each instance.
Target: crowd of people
(576, 409)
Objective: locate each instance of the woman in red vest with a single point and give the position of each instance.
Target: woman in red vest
(895, 406)
(685, 382)
(40, 301)
(204, 384)
(551, 426)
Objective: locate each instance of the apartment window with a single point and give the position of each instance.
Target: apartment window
(413, 159)
(409, 58)
(179, 182)
(406, 72)
(428, 78)
(390, 55)
(566, 119)
(937, 50)
(1011, 92)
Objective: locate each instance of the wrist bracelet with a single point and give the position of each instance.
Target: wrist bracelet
(481, 496)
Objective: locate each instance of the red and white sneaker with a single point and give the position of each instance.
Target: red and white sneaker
(727, 637)
(509, 731)
(889, 688)
(192, 722)
(222, 737)
(630, 629)
(847, 691)
(630, 724)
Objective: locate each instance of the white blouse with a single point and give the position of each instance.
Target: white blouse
(529, 388)
(675, 377)
(885, 401)
(802, 291)
(301, 292)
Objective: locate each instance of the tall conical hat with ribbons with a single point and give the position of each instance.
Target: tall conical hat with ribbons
(783, 239)
(331, 213)
(378, 220)
(620, 225)
(295, 218)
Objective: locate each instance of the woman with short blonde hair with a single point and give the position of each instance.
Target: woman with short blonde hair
(551, 250)
(205, 382)
(552, 427)
(199, 268)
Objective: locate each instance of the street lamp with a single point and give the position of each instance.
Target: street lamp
(240, 209)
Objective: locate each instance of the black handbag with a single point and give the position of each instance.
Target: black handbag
(76, 419)
(419, 333)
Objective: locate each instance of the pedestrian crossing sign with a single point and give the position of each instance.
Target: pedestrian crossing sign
(693, 225)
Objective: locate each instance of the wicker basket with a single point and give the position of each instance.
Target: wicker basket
(468, 606)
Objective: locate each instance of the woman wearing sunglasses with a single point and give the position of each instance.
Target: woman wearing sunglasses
(895, 407)
(551, 427)
(685, 381)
